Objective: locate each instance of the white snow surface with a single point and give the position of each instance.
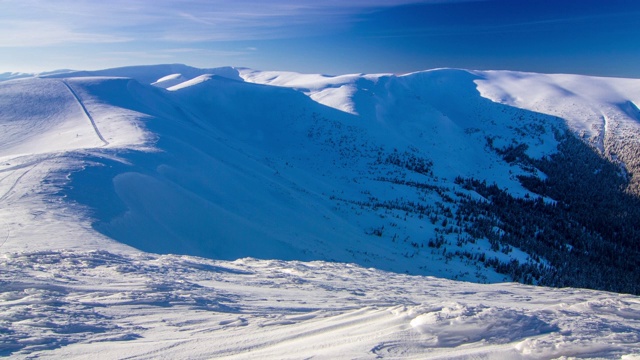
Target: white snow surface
(593, 107)
(80, 304)
(169, 81)
(237, 164)
(333, 91)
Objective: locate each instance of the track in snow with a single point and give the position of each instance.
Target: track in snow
(84, 108)
(12, 188)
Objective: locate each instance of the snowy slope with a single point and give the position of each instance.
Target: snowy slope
(285, 168)
(79, 304)
(604, 111)
(47, 131)
(284, 175)
(148, 74)
(308, 167)
(231, 163)
(586, 105)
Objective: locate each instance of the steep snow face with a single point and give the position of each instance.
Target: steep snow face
(42, 116)
(266, 171)
(439, 111)
(148, 74)
(49, 115)
(48, 128)
(169, 81)
(603, 111)
(585, 103)
(591, 106)
(333, 91)
(214, 166)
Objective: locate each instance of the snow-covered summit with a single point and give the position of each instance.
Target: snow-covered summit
(300, 166)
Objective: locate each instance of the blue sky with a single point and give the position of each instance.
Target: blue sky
(598, 37)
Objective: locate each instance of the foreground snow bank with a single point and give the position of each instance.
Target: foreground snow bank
(73, 304)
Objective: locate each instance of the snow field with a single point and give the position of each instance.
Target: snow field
(72, 304)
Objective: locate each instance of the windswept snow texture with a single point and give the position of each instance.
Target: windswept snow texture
(79, 304)
(100, 169)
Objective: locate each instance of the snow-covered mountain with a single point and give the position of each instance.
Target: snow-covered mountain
(484, 176)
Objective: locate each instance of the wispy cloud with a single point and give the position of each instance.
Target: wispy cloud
(45, 33)
(44, 22)
(137, 55)
(169, 54)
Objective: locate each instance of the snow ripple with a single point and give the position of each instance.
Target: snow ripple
(73, 304)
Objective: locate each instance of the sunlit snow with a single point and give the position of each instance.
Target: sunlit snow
(119, 187)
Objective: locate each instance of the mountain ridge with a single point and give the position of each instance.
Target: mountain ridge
(372, 169)
(184, 218)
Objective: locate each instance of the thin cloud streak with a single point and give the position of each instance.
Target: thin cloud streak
(178, 21)
(36, 33)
